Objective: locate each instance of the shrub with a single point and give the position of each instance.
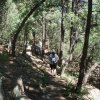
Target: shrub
(4, 56)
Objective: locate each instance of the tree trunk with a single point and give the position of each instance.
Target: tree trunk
(43, 35)
(18, 90)
(73, 41)
(75, 6)
(85, 49)
(25, 38)
(21, 26)
(33, 44)
(72, 5)
(62, 34)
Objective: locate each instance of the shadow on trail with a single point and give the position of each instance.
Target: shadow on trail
(38, 84)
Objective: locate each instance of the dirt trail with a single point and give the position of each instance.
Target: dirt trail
(38, 83)
(52, 88)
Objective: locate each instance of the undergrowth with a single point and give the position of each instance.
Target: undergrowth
(4, 56)
(70, 92)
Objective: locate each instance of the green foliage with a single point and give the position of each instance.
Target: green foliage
(96, 53)
(70, 92)
(13, 11)
(10, 19)
(82, 93)
(69, 89)
(95, 37)
(4, 56)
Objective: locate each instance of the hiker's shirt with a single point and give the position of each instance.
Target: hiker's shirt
(53, 57)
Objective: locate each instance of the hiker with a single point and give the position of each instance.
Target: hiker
(53, 60)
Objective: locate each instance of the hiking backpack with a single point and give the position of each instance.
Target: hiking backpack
(53, 59)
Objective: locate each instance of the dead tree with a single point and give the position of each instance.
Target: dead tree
(18, 90)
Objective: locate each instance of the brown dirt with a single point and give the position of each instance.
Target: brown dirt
(38, 83)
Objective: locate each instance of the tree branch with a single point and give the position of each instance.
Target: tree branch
(22, 24)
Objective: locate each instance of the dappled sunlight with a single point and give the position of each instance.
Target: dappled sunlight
(37, 79)
(11, 62)
(93, 93)
(49, 50)
(69, 78)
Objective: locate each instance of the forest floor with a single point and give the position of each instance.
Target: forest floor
(38, 82)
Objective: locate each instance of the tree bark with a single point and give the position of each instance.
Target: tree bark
(73, 41)
(25, 38)
(43, 35)
(62, 34)
(33, 43)
(72, 5)
(22, 24)
(85, 49)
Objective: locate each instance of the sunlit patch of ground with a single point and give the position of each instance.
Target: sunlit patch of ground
(94, 93)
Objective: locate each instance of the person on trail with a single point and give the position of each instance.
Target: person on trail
(53, 60)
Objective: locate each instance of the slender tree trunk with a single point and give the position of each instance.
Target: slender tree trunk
(33, 44)
(72, 5)
(22, 24)
(43, 35)
(62, 34)
(73, 41)
(25, 38)
(85, 48)
(75, 6)
(73, 32)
